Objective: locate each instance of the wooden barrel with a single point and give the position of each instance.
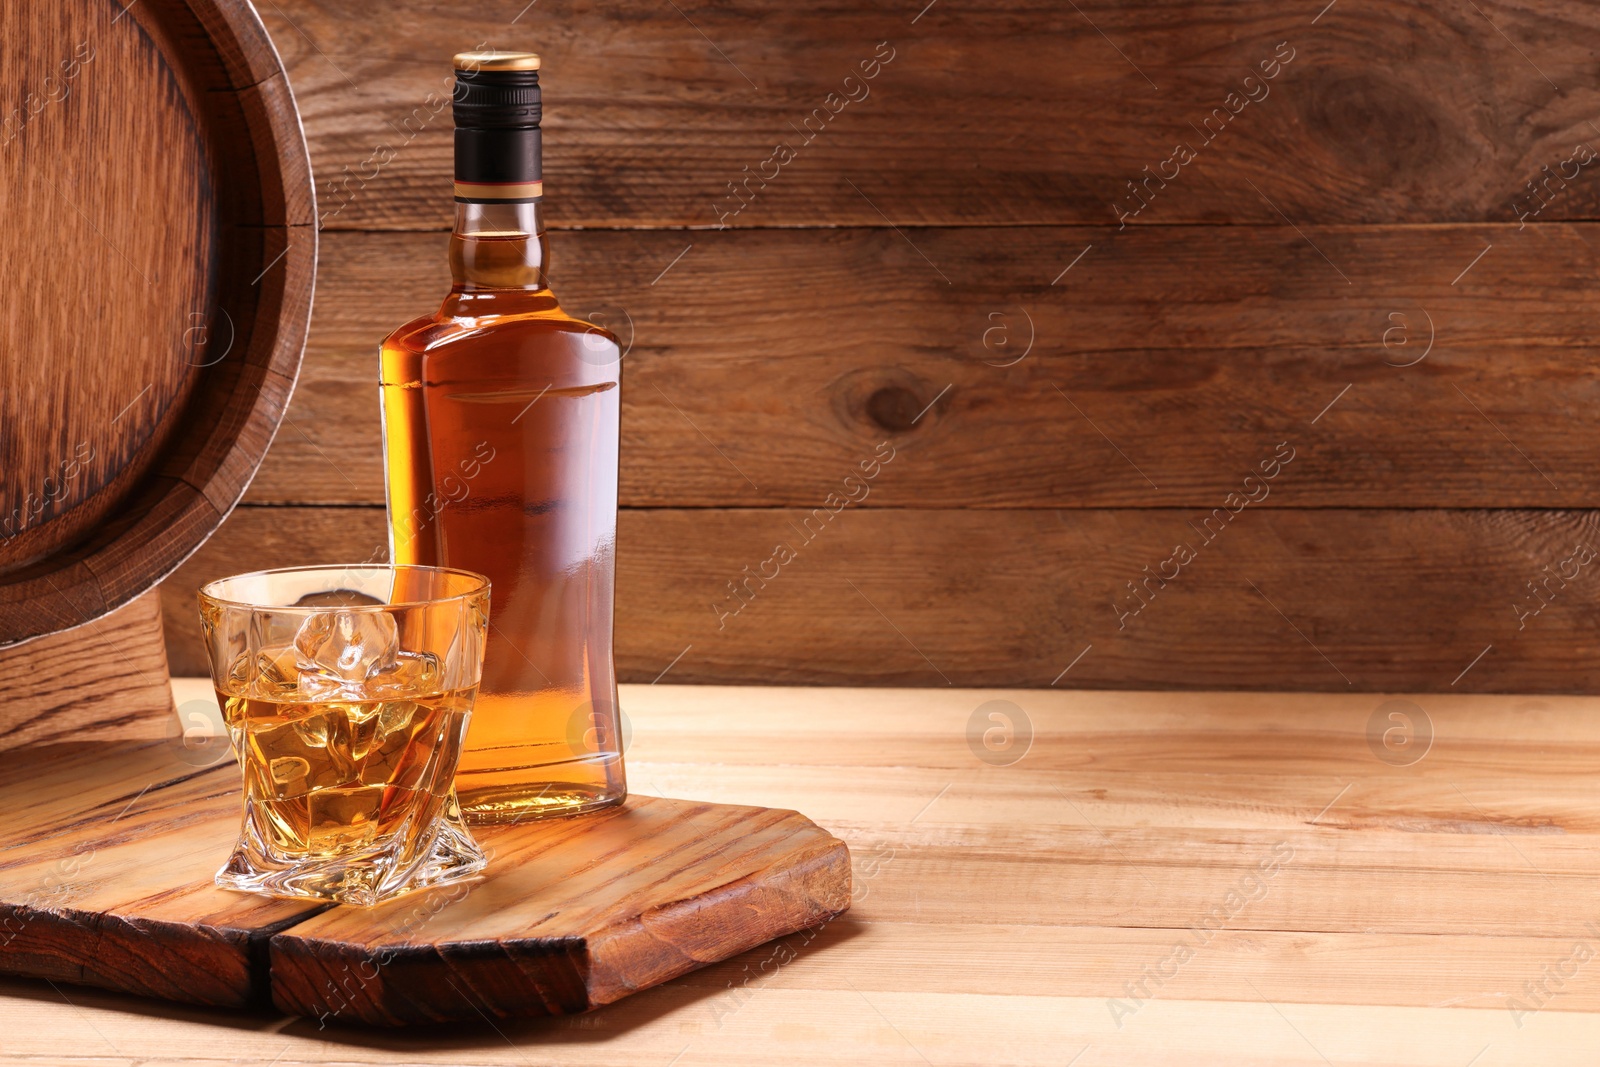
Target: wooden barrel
(158, 253)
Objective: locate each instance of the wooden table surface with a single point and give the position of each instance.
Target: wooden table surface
(1162, 878)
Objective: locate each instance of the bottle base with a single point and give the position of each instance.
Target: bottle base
(536, 800)
(496, 791)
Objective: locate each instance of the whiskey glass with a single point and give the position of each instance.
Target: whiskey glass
(347, 692)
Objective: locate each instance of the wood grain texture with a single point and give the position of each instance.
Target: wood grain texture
(1367, 207)
(101, 885)
(1278, 599)
(576, 914)
(105, 679)
(109, 848)
(163, 259)
(85, 246)
(1000, 912)
(1011, 111)
(1027, 390)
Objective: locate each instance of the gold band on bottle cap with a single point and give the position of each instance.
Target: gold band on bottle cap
(498, 192)
(496, 61)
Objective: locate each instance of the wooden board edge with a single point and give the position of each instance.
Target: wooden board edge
(411, 984)
(421, 984)
(145, 957)
(814, 887)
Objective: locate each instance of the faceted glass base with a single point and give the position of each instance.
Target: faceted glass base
(402, 863)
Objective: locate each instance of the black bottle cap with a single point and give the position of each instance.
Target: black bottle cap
(497, 91)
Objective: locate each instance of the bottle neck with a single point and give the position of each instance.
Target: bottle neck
(499, 246)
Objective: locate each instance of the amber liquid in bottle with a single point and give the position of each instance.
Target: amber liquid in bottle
(500, 436)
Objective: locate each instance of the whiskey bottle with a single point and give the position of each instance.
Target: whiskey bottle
(500, 447)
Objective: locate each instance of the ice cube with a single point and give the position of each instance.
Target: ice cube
(362, 712)
(276, 673)
(396, 715)
(390, 742)
(286, 770)
(321, 688)
(313, 731)
(411, 674)
(337, 651)
(241, 674)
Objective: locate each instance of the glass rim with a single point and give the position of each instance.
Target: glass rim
(480, 587)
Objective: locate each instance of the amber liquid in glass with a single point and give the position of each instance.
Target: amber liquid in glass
(331, 778)
(501, 420)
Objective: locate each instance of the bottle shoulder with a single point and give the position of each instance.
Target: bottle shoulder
(473, 335)
(475, 315)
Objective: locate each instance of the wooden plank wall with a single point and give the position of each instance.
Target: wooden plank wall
(1214, 345)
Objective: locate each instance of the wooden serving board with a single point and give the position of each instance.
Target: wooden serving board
(107, 849)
